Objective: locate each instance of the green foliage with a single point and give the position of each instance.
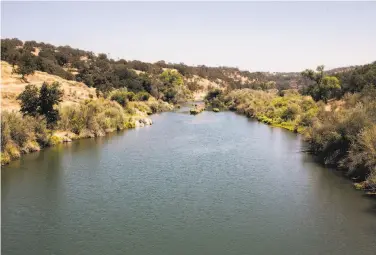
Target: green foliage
(358, 78)
(292, 111)
(131, 96)
(214, 99)
(172, 78)
(346, 136)
(43, 102)
(55, 140)
(324, 87)
(29, 100)
(21, 135)
(95, 117)
(170, 84)
(142, 96)
(120, 96)
(49, 97)
(172, 89)
(26, 65)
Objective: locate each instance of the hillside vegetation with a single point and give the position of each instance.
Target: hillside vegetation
(104, 74)
(340, 125)
(43, 122)
(12, 85)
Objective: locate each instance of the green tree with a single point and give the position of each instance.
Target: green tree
(29, 100)
(323, 85)
(172, 81)
(172, 78)
(14, 56)
(26, 65)
(49, 96)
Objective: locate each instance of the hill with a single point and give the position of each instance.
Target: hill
(12, 85)
(104, 74)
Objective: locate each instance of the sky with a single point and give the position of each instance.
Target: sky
(254, 36)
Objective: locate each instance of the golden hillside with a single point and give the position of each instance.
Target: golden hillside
(12, 85)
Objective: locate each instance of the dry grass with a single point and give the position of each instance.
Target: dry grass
(12, 85)
(334, 105)
(205, 84)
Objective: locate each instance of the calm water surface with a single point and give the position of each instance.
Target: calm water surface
(205, 184)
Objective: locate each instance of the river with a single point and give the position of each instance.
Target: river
(215, 183)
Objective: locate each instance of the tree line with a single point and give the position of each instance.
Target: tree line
(106, 74)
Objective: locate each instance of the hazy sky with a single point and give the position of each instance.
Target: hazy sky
(257, 36)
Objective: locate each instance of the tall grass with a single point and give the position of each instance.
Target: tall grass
(21, 135)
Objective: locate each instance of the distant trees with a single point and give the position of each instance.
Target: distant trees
(172, 81)
(171, 78)
(25, 65)
(41, 102)
(356, 79)
(14, 56)
(106, 74)
(215, 99)
(10, 51)
(323, 86)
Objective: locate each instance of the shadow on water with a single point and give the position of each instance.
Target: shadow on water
(372, 208)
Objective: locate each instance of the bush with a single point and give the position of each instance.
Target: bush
(96, 117)
(346, 137)
(142, 96)
(120, 97)
(268, 107)
(55, 140)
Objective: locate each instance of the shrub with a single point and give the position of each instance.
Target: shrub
(12, 150)
(5, 158)
(268, 107)
(54, 140)
(120, 97)
(142, 96)
(345, 137)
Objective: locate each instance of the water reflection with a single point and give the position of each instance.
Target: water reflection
(215, 183)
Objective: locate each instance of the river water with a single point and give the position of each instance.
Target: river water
(215, 183)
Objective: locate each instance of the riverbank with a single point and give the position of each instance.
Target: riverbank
(92, 118)
(293, 111)
(341, 133)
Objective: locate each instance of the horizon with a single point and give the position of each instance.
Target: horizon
(229, 37)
